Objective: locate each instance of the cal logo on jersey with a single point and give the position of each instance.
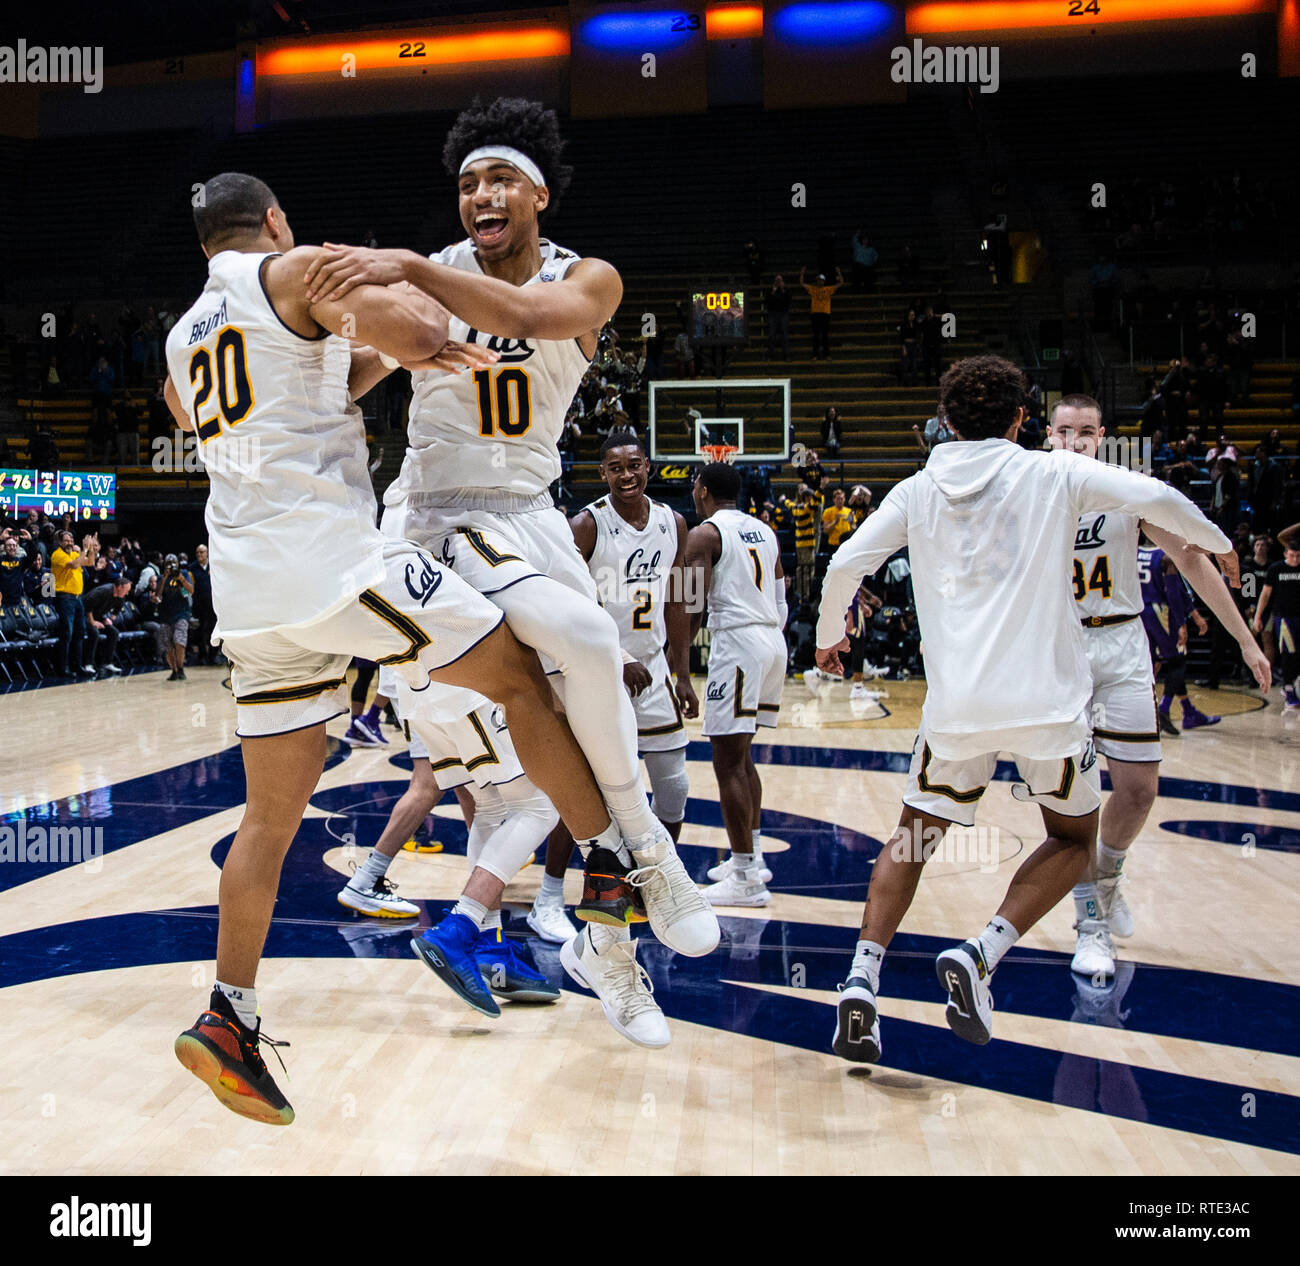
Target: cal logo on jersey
(511, 350)
(641, 568)
(1090, 537)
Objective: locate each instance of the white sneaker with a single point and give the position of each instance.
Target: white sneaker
(857, 1022)
(723, 869)
(813, 679)
(1110, 896)
(740, 888)
(1094, 953)
(860, 691)
(548, 920)
(964, 974)
(621, 984)
(679, 914)
(380, 900)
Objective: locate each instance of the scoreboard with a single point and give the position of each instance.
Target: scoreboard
(717, 318)
(87, 496)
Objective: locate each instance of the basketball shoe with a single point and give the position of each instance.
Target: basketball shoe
(1110, 896)
(1094, 952)
(223, 1054)
(359, 736)
(378, 899)
(1167, 725)
(1194, 718)
(506, 973)
(625, 991)
(857, 1022)
(679, 914)
(607, 894)
(448, 951)
(963, 972)
(738, 888)
(723, 869)
(548, 920)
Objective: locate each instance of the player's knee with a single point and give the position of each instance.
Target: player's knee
(670, 786)
(588, 636)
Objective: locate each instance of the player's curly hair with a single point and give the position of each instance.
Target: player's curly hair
(524, 125)
(979, 396)
(622, 439)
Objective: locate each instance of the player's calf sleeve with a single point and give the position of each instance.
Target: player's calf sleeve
(669, 783)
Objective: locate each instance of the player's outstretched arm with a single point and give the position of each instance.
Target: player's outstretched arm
(1206, 582)
(1096, 486)
(580, 304)
(863, 554)
(403, 326)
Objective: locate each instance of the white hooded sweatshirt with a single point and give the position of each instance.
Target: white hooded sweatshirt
(989, 528)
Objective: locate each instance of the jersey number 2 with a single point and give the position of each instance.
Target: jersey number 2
(234, 391)
(644, 601)
(505, 410)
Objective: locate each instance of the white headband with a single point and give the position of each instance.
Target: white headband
(506, 154)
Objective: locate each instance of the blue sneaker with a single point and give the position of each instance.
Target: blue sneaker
(448, 950)
(507, 973)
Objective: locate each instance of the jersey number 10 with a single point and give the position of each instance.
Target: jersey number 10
(507, 409)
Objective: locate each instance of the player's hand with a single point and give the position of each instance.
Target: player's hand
(636, 677)
(337, 269)
(1230, 566)
(687, 699)
(1260, 668)
(1201, 623)
(829, 660)
(1182, 639)
(456, 358)
(1258, 626)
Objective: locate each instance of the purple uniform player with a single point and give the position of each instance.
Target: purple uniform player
(1166, 608)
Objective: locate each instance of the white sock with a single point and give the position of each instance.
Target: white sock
(552, 890)
(244, 1002)
(758, 845)
(1086, 905)
(868, 959)
(492, 921)
(1110, 861)
(998, 937)
(371, 871)
(603, 936)
(472, 910)
(744, 860)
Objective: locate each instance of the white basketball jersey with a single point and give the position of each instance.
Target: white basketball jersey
(1105, 576)
(492, 428)
(744, 585)
(631, 571)
(291, 510)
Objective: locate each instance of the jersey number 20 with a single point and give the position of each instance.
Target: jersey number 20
(234, 391)
(506, 409)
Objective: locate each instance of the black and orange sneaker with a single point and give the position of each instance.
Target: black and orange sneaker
(607, 897)
(222, 1053)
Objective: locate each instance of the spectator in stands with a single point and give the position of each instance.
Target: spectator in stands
(1161, 453)
(205, 618)
(1273, 445)
(126, 425)
(13, 558)
(837, 521)
(803, 511)
(174, 592)
(102, 603)
(1153, 411)
(820, 293)
(909, 266)
(753, 254)
(42, 450)
(937, 431)
(150, 572)
(1266, 486)
(778, 318)
(931, 344)
(67, 563)
(1223, 447)
(865, 258)
(832, 431)
(684, 355)
(161, 423)
(812, 470)
(909, 348)
(1238, 362)
(37, 580)
(139, 356)
(1195, 450)
(102, 380)
(1211, 389)
(859, 504)
(1225, 497)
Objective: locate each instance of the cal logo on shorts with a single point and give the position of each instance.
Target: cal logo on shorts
(717, 690)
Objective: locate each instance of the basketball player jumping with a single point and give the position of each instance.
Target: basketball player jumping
(990, 528)
(736, 564)
(1108, 597)
(483, 455)
(263, 374)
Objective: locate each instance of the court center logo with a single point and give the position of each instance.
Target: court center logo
(25, 63)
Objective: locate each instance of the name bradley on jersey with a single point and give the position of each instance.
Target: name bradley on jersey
(201, 329)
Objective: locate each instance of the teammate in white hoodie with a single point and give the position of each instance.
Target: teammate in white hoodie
(990, 531)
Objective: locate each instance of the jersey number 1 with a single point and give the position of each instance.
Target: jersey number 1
(758, 568)
(513, 411)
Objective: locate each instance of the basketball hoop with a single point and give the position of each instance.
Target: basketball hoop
(720, 452)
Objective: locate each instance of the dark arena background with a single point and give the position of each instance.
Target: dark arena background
(1102, 193)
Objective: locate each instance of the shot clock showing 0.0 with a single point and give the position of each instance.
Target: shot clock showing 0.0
(717, 318)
